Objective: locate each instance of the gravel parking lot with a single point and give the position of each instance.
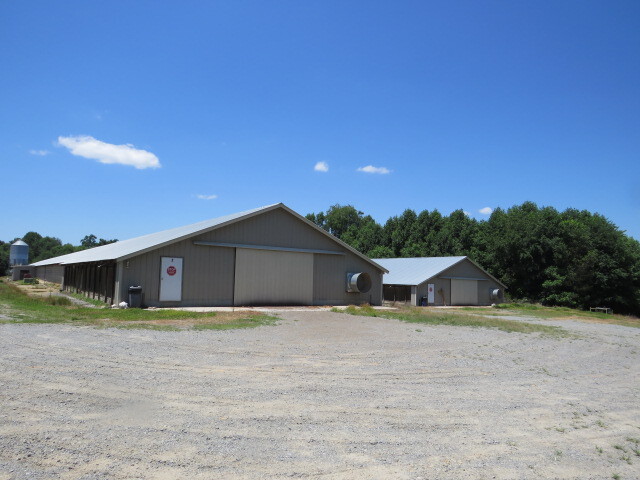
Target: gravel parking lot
(322, 395)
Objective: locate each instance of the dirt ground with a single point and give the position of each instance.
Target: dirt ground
(321, 395)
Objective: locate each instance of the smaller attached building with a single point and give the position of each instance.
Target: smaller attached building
(439, 281)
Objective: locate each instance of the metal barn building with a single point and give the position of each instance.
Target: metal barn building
(267, 256)
(439, 281)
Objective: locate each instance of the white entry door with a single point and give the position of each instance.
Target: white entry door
(170, 279)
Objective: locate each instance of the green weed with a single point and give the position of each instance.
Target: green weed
(84, 298)
(57, 300)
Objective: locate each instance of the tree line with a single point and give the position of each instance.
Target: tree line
(572, 258)
(41, 248)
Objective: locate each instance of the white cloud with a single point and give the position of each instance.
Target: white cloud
(372, 169)
(486, 211)
(40, 153)
(207, 197)
(88, 147)
(321, 167)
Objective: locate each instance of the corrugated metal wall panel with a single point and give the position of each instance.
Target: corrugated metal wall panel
(329, 279)
(208, 274)
(468, 269)
(277, 228)
(50, 273)
(442, 291)
(464, 292)
(464, 269)
(265, 277)
(374, 296)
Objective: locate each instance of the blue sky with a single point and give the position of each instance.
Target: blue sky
(201, 109)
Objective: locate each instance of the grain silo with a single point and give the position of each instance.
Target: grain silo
(18, 253)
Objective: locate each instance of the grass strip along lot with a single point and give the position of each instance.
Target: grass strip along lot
(428, 316)
(558, 313)
(495, 317)
(18, 307)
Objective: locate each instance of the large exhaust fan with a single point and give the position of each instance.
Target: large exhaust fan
(358, 282)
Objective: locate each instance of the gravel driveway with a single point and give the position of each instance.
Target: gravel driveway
(321, 395)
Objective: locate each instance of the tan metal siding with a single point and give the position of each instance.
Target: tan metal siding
(209, 270)
(374, 296)
(464, 269)
(464, 292)
(50, 273)
(442, 291)
(266, 277)
(329, 279)
(280, 229)
(276, 228)
(207, 277)
(469, 270)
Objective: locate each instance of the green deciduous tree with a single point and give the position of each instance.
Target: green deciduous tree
(572, 258)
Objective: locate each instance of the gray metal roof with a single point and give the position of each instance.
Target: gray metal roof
(19, 242)
(135, 246)
(126, 248)
(414, 271)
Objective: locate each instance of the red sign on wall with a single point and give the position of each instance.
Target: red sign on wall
(171, 270)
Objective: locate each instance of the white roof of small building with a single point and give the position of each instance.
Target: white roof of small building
(19, 242)
(128, 248)
(414, 271)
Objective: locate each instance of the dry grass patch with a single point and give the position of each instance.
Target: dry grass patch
(555, 313)
(212, 321)
(459, 318)
(17, 306)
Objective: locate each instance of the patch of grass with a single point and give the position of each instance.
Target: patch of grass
(556, 313)
(57, 300)
(247, 322)
(144, 326)
(547, 372)
(616, 476)
(92, 301)
(440, 317)
(599, 450)
(21, 308)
